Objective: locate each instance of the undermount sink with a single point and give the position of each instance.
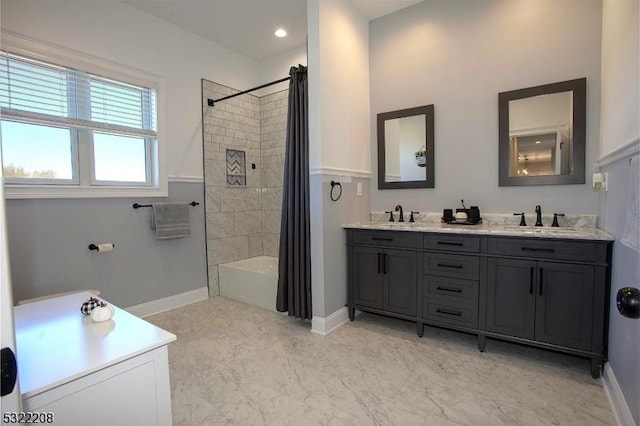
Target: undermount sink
(538, 229)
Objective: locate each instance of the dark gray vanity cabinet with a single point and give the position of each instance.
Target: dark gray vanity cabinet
(450, 282)
(383, 278)
(542, 301)
(550, 293)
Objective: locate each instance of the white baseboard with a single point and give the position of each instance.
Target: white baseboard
(618, 404)
(168, 303)
(326, 325)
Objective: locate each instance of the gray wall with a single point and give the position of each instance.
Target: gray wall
(458, 55)
(350, 208)
(49, 239)
(624, 333)
(620, 137)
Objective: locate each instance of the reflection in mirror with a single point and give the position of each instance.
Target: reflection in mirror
(404, 137)
(405, 148)
(542, 133)
(546, 148)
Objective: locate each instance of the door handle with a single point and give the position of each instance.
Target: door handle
(379, 254)
(531, 280)
(9, 371)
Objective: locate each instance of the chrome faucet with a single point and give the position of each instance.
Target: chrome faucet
(399, 209)
(538, 216)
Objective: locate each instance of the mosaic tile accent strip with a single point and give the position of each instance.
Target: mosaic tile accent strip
(236, 167)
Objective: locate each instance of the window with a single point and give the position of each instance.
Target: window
(65, 127)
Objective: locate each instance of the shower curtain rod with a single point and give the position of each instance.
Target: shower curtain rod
(211, 102)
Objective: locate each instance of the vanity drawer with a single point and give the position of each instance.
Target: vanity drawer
(452, 243)
(452, 265)
(543, 249)
(451, 289)
(400, 239)
(465, 315)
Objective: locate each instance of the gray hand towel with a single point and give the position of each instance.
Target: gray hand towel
(171, 220)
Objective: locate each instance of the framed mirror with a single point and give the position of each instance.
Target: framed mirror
(542, 134)
(405, 148)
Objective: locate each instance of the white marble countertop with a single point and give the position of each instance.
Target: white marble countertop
(575, 233)
(56, 343)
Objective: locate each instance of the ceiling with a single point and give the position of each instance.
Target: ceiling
(247, 26)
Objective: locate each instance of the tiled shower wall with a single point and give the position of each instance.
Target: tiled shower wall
(273, 128)
(242, 221)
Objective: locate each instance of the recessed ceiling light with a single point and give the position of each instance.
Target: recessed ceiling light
(280, 32)
(538, 141)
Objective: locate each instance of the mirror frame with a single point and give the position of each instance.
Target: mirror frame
(579, 89)
(429, 179)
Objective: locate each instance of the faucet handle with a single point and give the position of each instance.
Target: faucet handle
(411, 217)
(390, 216)
(555, 219)
(522, 222)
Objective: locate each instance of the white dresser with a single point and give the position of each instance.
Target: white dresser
(87, 373)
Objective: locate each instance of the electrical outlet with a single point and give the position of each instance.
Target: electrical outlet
(359, 189)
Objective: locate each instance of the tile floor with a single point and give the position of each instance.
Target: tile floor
(236, 364)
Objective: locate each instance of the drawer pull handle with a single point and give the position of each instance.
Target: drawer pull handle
(451, 290)
(444, 265)
(381, 239)
(447, 312)
(546, 250)
(446, 243)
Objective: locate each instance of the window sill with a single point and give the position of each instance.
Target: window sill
(13, 191)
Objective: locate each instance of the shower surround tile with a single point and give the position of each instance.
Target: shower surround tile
(270, 244)
(273, 174)
(223, 250)
(248, 222)
(272, 198)
(213, 197)
(221, 225)
(236, 167)
(271, 221)
(255, 245)
(240, 199)
(236, 215)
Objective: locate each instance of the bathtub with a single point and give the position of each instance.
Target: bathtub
(253, 281)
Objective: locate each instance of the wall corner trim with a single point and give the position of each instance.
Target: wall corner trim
(629, 149)
(186, 179)
(334, 171)
(619, 406)
(158, 306)
(324, 326)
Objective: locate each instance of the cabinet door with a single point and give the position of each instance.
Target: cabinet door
(367, 279)
(399, 270)
(564, 306)
(510, 297)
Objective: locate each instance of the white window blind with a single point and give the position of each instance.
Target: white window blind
(63, 126)
(51, 94)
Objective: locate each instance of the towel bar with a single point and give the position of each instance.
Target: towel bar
(137, 206)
